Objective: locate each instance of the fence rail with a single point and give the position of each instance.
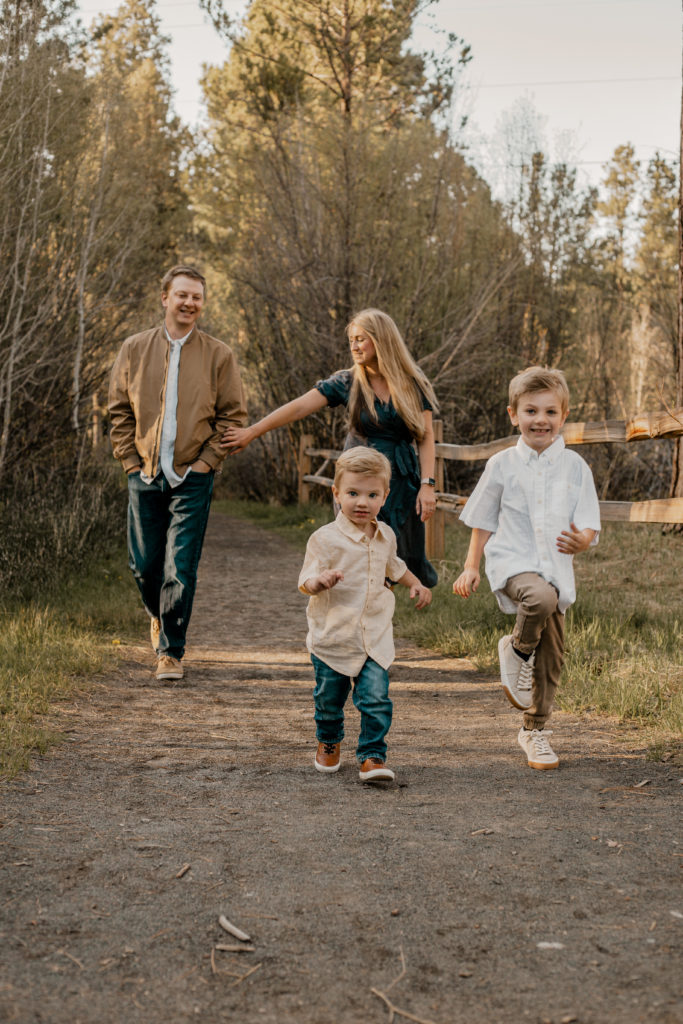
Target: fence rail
(643, 427)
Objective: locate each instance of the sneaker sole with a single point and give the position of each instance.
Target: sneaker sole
(543, 767)
(377, 775)
(169, 676)
(513, 699)
(324, 768)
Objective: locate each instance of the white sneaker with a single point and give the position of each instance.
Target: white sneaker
(534, 742)
(516, 674)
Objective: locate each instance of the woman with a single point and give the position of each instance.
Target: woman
(390, 403)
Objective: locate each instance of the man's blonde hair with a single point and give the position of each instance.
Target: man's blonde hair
(366, 461)
(539, 378)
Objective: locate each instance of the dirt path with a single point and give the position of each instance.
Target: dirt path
(506, 894)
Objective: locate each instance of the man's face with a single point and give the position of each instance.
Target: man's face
(183, 303)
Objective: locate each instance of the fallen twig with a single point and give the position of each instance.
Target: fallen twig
(72, 958)
(403, 970)
(235, 949)
(183, 871)
(394, 1010)
(232, 929)
(244, 976)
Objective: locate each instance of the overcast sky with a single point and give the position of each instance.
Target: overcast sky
(598, 72)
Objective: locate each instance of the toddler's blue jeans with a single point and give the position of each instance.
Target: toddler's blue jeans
(371, 697)
(166, 529)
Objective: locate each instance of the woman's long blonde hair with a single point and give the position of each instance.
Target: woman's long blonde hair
(398, 368)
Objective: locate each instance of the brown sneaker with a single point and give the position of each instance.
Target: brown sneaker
(169, 668)
(375, 770)
(327, 757)
(154, 631)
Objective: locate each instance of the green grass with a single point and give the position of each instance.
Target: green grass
(54, 647)
(624, 635)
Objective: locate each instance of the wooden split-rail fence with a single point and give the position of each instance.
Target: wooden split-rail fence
(643, 427)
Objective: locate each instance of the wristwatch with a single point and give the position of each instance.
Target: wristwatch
(428, 480)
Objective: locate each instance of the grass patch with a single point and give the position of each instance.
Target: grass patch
(624, 635)
(53, 647)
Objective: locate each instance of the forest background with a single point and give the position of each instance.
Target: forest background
(329, 174)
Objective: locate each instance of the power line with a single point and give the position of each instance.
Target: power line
(578, 81)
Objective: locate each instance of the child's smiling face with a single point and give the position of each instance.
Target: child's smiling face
(361, 497)
(540, 418)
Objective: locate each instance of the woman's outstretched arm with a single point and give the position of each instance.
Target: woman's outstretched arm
(236, 439)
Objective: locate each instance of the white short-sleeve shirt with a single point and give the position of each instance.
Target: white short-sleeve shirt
(351, 622)
(526, 500)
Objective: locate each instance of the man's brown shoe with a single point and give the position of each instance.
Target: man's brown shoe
(169, 668)
(327, 757)
(154, 631)
(374, 770)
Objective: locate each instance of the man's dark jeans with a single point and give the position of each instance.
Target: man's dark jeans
(166, 529)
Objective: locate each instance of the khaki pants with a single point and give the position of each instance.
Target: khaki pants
(539, 627)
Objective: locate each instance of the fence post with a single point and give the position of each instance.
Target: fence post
(435, 528)
(304, 466)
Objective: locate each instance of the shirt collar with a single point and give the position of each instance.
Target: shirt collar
(177, 341)
(551, 454)
(354, 532)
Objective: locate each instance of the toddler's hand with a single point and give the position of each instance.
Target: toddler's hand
(466, 583)
(325, 581)
(422, 593)
(571, 543)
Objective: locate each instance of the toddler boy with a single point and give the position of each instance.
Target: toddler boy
(534, 508)
(350, 635)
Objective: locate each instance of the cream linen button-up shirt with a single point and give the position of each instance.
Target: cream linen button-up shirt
(351, 622)
(526, 500)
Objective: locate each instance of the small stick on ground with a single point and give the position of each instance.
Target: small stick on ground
(72, 958)
(240, 980)
(403, 970)
(183, 871)
(394, 1010)
(235, 949)
(227, 926)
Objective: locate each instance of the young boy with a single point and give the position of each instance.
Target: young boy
(534, 508)
(349, 614)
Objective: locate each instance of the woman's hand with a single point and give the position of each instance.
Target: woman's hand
(236, 439)
(425, 505)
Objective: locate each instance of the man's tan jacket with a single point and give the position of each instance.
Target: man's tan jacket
(210, 399)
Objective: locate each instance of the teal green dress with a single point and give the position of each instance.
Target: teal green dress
(390, 435)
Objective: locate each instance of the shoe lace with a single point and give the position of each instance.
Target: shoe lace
(329, 748)
(541, 741)
(526, 675)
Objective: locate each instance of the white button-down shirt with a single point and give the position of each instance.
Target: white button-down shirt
(169, 427)
(526, 500)
(351, 622)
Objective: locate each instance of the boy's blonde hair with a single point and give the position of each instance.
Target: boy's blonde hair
(366, 461)
(402, 374)
(539, 378)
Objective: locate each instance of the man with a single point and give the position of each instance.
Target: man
(174, 391)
